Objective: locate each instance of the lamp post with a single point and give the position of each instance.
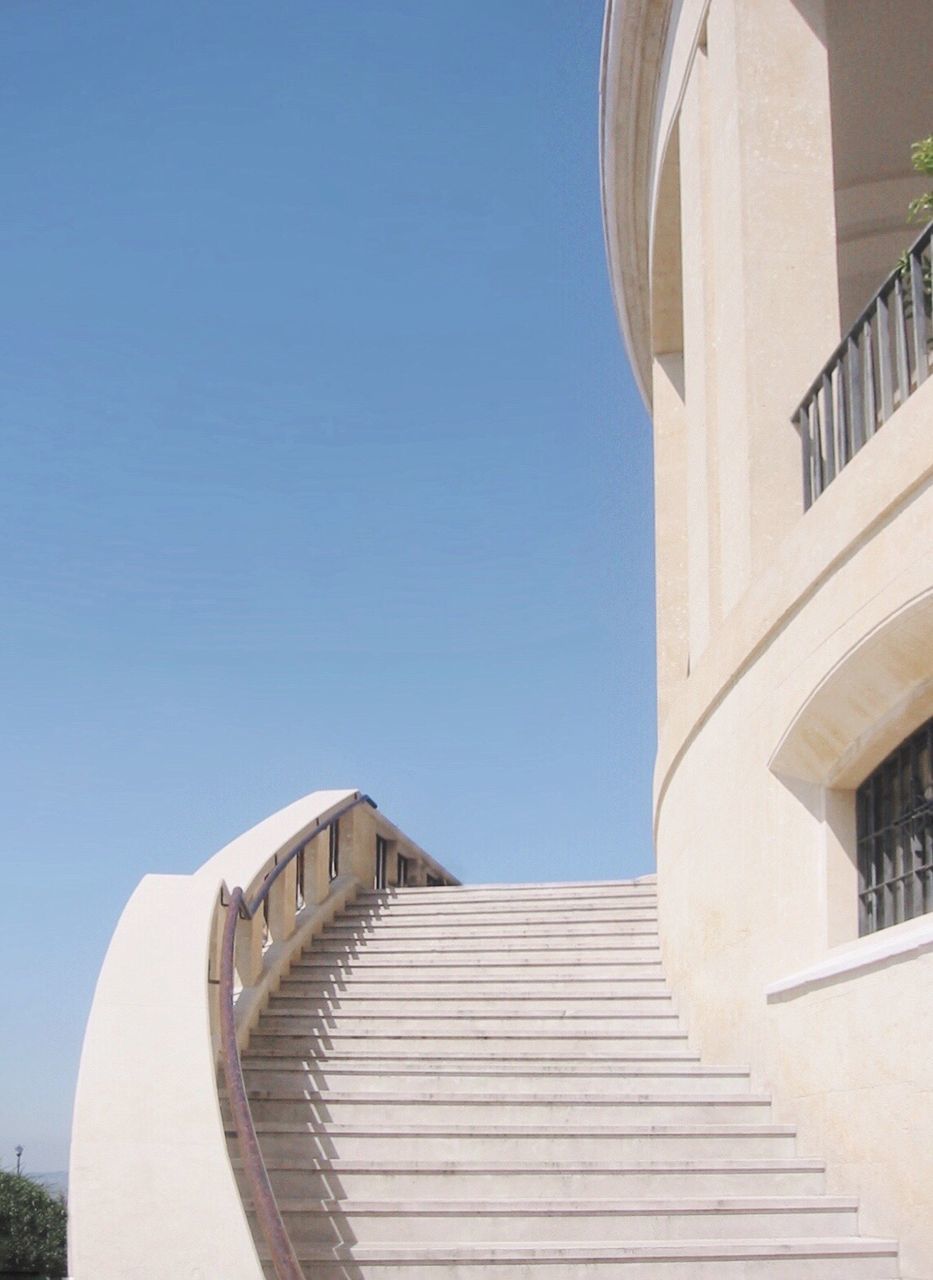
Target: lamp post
(19, 1156)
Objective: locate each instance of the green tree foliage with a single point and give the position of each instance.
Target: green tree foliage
(921, 153)
(920, 210)
(32, 1229)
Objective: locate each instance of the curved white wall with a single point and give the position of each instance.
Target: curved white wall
(795, 650)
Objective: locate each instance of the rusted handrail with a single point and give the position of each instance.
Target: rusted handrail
(270, 1219)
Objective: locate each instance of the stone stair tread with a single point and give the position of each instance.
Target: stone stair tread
(804, 1247)
(545, 1207)
(338, 997)
(410, 990)
(339, 1164)
(718, 1129)
(468, 1017)
(530, 1099)
(544, 1062)
(489, 1072)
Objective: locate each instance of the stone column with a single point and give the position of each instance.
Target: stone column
(775, 311)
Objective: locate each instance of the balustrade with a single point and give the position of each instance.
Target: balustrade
(881, 361)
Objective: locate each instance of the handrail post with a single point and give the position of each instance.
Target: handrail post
(282, 903)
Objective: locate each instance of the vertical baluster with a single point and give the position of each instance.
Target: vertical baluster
(843, 419)
(803, 426)
(868, 369)
(829, 428)
(856, 409)
(816, 446)
(919, 317)
(900, 340)
(885, 371)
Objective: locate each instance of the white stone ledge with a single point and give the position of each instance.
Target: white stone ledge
(898, 942)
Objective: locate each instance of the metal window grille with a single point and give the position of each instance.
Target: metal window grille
(333, 863)
(894, 808)
(382, 849)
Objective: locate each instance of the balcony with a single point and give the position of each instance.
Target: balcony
(880, 362)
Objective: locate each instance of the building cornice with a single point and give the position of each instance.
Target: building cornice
(634, 34)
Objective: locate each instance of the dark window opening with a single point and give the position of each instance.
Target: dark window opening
(382, 850)
(334, 850)
(404, 867)
(300, 880)
(894, 814)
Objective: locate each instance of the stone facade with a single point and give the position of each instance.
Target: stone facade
(756, 171)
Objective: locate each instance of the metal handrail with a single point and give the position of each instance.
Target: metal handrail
(271, 1223)
(881, 361)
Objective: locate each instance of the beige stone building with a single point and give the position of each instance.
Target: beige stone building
(319, 1057)
(756, 170)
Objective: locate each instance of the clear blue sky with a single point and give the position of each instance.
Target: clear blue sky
(320, 462)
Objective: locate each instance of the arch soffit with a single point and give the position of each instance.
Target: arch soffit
(874, 697)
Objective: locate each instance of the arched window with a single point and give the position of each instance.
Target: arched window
(894, 811)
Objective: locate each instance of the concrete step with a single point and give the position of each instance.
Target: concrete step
(492, 1084)
(573, 1180)
(585, 890)
(447, 1005)
(339, 1040)
(517, 1079)
(413, 985)
(545, 911)
(296, 1022)
(839, 1258)
(423, 1142)
(501, 1109)
(507, 1220)
(590, 947)
(442, 931)
(472, 969)
(406, 1055)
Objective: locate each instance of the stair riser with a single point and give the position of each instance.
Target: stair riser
(350, 1004)
(786, 1268)
(577, 1084)
(448, 938)
(581, 1028)
(544, 913)
(544, 1148)
(519, 1112)
(404, 986)
(496, 929)
(346, 968)
(440, 1046)
(511, 895)
(556, 1227)
(551, 1185)
(466, 951)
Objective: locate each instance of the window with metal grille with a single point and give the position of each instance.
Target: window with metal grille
(334, 847)
(895, 835)
(404, 866)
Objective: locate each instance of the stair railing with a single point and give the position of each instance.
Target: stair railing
(282, 915)
(878, 365)
(238, 908)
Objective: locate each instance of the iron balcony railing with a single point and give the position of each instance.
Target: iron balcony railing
(881, 361)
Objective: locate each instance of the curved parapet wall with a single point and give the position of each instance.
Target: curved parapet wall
(152, 1193)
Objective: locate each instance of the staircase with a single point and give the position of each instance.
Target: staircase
(492, 1083)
